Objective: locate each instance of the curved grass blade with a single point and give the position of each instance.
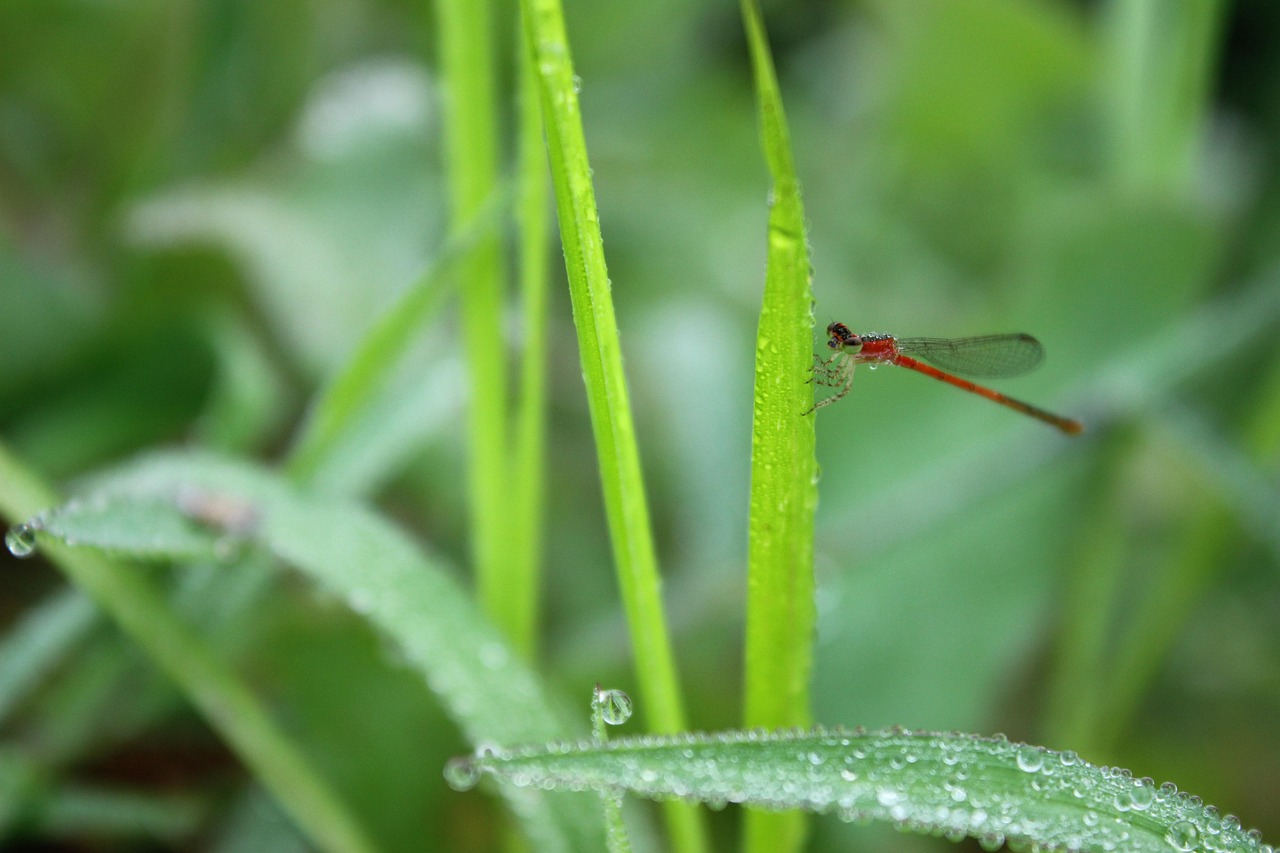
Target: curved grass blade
(353, 555)
(348, 394)
(955, 785)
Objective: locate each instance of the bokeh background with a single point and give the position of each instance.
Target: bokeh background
(204, 204)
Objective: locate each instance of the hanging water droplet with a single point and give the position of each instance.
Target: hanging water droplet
(462, 774)
(21, 540)
(1182, 835)
(577, 83)
(991, 841)
(615, 706)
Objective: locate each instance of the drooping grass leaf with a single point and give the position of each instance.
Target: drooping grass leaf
(955, 785)
(225, 701)
(353, 555)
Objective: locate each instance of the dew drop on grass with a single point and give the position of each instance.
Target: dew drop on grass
(462, 774)
(615, 706)
(1030, 759)
(21, 540)
(1182, 835)
(1142, 797)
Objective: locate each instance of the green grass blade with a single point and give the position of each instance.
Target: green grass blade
(955, 785)
(601, 354)
(780, 604)
(467, 63)
(124, 594)
(38, 643)
(528, 462)
(1160, 58)
(353, 555)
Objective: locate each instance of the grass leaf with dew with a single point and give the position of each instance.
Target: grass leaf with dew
(780, 589)
(955, 785)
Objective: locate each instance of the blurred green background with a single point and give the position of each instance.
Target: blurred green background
(203, 205)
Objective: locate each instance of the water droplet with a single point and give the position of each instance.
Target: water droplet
(991, 841)
(1030, 759)
(888, 798)
(1182, 835)
(1141, 797)
(462, 774)
(615, 706)
(21, 540)
(577, 83)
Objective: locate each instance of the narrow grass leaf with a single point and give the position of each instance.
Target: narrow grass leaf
(337, 408)
(468, 66)
(528, 489)
(39, 642)
(601, 353)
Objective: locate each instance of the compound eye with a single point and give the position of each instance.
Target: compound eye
(831, 327)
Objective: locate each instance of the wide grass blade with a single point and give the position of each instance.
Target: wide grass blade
(780, 604)
(955, 785)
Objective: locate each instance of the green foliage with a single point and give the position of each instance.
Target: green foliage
(306, 242)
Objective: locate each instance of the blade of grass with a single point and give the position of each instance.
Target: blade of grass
(528, 464)
(348, 394)
(601, 354)
(1091, 600)
(39, 641)
(780, 603)
(1159, 81)
(1209, 539)
(225, 702)
(467, 64)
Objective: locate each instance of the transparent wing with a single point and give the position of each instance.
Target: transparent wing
(989, 356)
